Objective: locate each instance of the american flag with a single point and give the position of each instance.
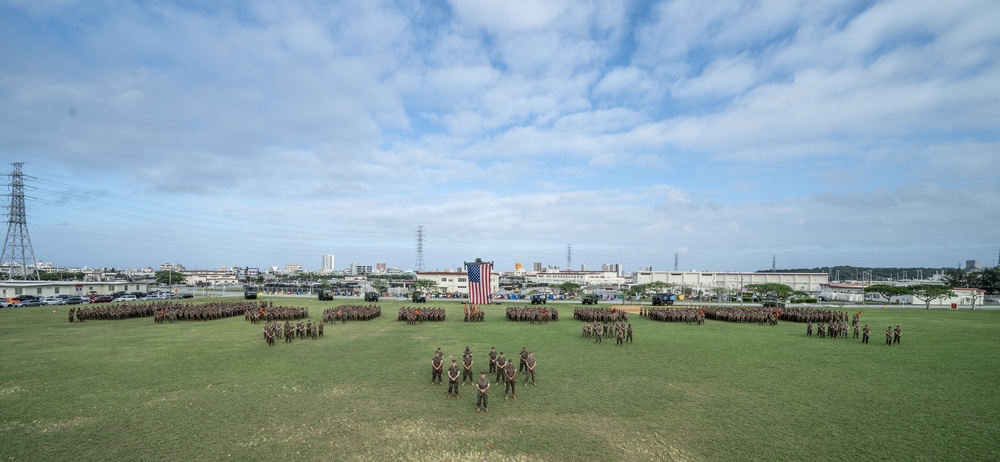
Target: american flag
(479, 282)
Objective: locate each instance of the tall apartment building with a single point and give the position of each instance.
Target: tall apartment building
(328, 264)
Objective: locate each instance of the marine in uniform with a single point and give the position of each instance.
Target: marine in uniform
(453, 379)
(436, 365)
(510, 378)
(482, 395)
(530, 370)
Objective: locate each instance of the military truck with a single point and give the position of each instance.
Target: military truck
(772, 303)
(538, 299)
(250, 292)
(419, 297)
(371, 296)
(325, 295)
(663, 299)
(590, 299)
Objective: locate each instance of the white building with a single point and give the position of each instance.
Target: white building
(705, 281)
(584, 278)
(209, 277)
(457, 282)
(329, 265)
(9, 289)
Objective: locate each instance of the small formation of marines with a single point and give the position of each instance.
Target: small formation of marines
(500, 366)
(417, 315)
(621, 331)
(532, 314)
(291, 331)
(343, 313)
(838, 328)
(473, 314)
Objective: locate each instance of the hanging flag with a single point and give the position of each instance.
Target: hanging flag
(479, 282)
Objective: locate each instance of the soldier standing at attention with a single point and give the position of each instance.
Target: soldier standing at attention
(530, 371)
(896, 334)
(868, 333)
(857, 328)
(493, 360)
(524, 359)
(888, 336)
(467, 370)
(809, 329)
(482, 397)
(510, 377)
(453, 379)
(619, 336)
(436, 365)
(599, 333)
(628, 333)
(501, 364)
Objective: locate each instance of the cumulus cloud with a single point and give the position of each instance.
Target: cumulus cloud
(731, 130)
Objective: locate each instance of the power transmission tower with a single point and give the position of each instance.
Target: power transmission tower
(774, 262)
(676, 258)
(17, 251)
(569, 257)
(420, 248)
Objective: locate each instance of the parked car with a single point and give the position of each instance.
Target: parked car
(101, 299)
(53, 301)
(74, 300)
(29, 302)
(126, 298)
(185, 296)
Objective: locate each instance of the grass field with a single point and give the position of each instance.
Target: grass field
(135, 390)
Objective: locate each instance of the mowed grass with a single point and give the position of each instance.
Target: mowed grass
(213, 390)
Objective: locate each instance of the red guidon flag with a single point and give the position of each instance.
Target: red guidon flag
(479, 282)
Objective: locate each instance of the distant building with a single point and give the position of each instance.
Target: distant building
(971, 265)
(328, 264)
(9, 289)
(584, 278)
(704, 281)
(456, 282)
(293, 268)
(357, 269)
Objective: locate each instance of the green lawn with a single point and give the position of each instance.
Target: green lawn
(213, 390)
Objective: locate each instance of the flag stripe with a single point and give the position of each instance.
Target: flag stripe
(479, 283)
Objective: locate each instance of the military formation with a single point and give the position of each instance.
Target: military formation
(344, 313)
(501, 368)
(417, 315)
(267, 312)
(162, 311)
(532, 314)
(686, 315)
(600, 314)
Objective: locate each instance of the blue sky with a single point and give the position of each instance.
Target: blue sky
(264, 133)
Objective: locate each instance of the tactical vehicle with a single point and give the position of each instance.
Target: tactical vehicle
(419, 297)
(371, 296)
(771, 303)
(538, 299)
(590, 299)
(663, 299)
(325, 295)
(250, 293)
